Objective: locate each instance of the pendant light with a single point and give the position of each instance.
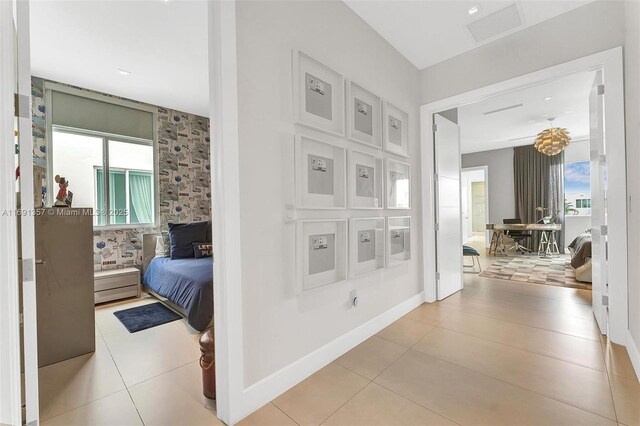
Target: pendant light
(552, 141)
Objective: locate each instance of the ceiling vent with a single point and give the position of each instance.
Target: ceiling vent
(532, 137)
(502, 109)
(495, 24)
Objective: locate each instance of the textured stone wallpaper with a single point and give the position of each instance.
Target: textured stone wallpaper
(183, 171)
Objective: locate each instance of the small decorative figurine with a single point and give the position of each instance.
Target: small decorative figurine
(63, 199)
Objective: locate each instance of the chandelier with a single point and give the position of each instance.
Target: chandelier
(552, 141)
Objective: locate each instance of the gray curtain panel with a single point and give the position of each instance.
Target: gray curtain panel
(539, 182)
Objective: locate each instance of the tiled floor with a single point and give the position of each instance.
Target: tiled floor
(151, 377)
(497, 353)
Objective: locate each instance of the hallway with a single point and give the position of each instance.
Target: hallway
(499, 352)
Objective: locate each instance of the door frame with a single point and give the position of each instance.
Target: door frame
(485, 169)
(10, 398)
(611, 63)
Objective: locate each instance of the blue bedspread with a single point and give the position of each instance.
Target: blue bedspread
(186, 282)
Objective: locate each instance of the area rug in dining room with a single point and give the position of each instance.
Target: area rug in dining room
(532, 269)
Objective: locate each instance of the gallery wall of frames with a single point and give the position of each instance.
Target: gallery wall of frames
(364, 168)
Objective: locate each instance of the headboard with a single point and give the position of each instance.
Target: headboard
(148, 250)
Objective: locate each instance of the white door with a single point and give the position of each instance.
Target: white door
(448, 207)
(10, 402)
(27, 230)
(598, 167)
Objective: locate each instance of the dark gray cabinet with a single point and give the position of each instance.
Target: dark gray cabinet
(64, 284)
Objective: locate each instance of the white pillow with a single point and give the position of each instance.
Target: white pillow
(160, 249)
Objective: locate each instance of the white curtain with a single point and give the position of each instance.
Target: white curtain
(141, 196)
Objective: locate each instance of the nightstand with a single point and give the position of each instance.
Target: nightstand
(115, 284)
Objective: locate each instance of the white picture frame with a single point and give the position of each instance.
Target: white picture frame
(365, 181)
(398, 184)
(366, 245)
(318, 95)
(364, 116)
(398, 240)
(320, 174)
(321, 253)
(395, 130)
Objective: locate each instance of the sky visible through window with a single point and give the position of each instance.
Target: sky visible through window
(577, 177)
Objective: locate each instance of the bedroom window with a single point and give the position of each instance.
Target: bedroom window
(126, 197)
(104, 148)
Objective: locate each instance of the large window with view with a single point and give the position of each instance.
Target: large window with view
(126, 195)
(577, 189)
(104, 148)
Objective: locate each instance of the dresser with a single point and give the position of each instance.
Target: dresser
(64, 284)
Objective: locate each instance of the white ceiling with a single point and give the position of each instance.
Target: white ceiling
(430, 31)
(162, 43)
(569, 104)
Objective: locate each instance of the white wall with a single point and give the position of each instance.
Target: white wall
(280, 326)
(577, 151)
(500, 177)
(593, 28)
(632, 116)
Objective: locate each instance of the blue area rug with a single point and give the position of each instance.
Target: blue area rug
(146, 316)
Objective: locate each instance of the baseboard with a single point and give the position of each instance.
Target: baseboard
(256, 395)
(634, 353)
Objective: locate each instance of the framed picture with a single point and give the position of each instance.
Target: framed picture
(366, 245)
(321, 254)
(398, 175)
(320, 174)
(364, 115)
(318, 95)
(395, 129)
(365, 181)
(398, 240)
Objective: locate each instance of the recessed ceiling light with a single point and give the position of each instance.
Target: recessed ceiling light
(532, 121)
(475, 9)
(548, 98)
(123, 72)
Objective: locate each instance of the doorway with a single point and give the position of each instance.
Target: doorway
(614, 286)
(475, 206)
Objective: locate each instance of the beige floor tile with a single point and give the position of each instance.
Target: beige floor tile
(431, 313)
(371, 357)
(174, 398)
(573, 349)
(471, 398)
(268, 415)
(530, 301)
(579, 386)
(375, 405)
(617, 360)
(457, 298)
(405, 331)
(112, 410)
(108, 323)
(75, 382)
(313, 400)
(183, 325)
(626, 396)
(552, 292)
(553, 321)
(148, 353)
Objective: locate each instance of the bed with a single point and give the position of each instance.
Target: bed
(580, 249)
(184, 285)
